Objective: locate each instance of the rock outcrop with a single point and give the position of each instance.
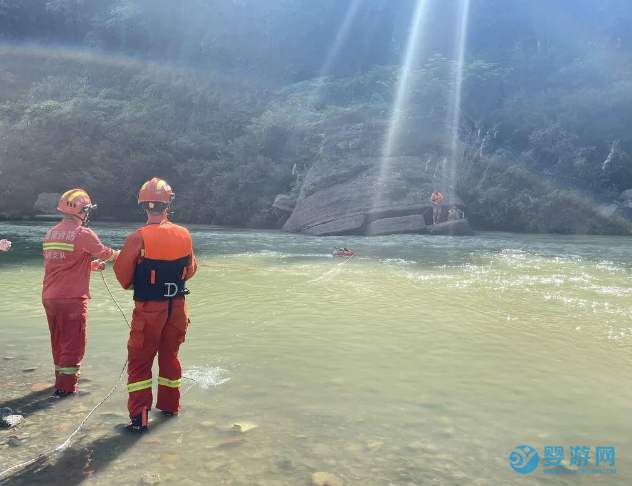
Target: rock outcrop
(400, 225)
(458, 227)
(47, 203)
(284, 203)
(620, 208)
(346, 199)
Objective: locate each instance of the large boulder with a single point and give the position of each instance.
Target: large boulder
(284, 203)
(346, 195)
(626, 195)
(414, 224)
(47, 203)
(458, 227)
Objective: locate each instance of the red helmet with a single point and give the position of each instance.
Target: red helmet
(156, 190)
(75, 202)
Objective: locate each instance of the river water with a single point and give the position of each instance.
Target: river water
(422, 360)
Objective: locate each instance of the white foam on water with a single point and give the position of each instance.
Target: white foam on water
(207, 377)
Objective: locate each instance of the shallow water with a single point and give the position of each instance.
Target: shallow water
(423, 360)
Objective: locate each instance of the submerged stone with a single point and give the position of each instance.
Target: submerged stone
(214, 464)
(243, 427)
(326, 479)
(233, 441)
(285, 464)
(14, 442)
(151, 478)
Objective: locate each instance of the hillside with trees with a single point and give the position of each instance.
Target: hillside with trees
(229, 100)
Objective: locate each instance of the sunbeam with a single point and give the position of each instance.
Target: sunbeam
(402, 94)
(449, 175)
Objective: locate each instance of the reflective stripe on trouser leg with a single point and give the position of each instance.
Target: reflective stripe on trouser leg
(169, 383)
(139, 385)
(68, 370)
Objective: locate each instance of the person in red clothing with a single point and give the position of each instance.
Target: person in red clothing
(155, 261)
(68, 251)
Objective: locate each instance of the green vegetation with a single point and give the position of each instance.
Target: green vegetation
(238, 92)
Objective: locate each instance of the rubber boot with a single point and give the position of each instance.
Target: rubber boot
(138, 423)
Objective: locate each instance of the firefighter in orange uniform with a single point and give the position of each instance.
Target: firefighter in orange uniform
(156, 261)
(68, 250)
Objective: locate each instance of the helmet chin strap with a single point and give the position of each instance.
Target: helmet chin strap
(85, 222)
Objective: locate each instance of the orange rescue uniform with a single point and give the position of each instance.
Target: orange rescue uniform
(68, 251)
(155, 262)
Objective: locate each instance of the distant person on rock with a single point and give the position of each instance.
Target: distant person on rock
(68, 251)
(437, 200)
(455, 213)
(5, 245)
(156, 261)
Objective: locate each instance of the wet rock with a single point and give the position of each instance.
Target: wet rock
(344, 198)
(326, 479)
(232, 442)
(310, 464)
(14, 442)
(286, 464)
(5, 411)
(11, 421)
(414, 224)
(151, 478)
(243, 427)
(459, 227)
(627, 194)
(422, 446)
(214, 464)
(284, 203)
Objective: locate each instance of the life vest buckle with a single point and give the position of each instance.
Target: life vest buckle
(171, 289)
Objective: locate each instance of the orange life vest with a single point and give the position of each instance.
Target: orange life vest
(161, 273)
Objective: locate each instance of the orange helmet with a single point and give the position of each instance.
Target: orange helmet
(156, 190)
(75, 202)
